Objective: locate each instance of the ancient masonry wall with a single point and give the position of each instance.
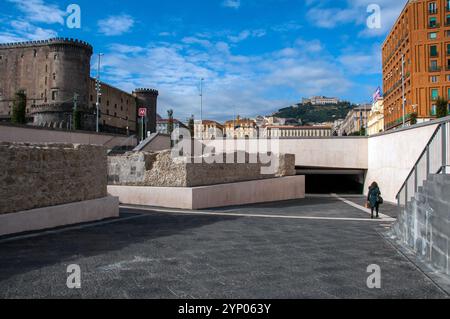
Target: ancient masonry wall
(160, 170)
(42, 175)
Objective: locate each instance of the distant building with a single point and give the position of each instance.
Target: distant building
(208, 130)
(162, 125)
(297, 131)
(376, 118)
(320, 100)
(355, 120)
(241, 128)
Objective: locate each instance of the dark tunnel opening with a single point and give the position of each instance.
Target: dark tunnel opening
(336, 183)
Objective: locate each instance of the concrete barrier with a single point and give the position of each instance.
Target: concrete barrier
(61, 215)
(234, 194)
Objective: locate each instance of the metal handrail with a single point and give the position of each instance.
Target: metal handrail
(424, 153)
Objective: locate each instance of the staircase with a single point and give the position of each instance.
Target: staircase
(423, 224)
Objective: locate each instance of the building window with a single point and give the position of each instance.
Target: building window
(432, 35)
(432, 8)
(433, 109)
(434, 94)
(448, 94)
(447, 19)
(433, 51)
(434, 79)
(432, 22)
(447, 5)
(434, 66)
(54, 95)
(54, 76)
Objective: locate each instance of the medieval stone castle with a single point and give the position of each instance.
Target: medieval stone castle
(55, 76)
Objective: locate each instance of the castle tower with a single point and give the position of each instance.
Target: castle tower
(52, 73)
(148, 98)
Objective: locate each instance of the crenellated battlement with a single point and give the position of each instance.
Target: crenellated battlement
(53, 41)
(146, 91)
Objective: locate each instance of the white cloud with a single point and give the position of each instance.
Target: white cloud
(19, 31)
(324, 14)
(245, 34)
(255, 84)
(235, 4)
(116, 25)
(38, 11)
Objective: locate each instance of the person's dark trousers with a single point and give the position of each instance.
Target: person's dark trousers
(377, 209)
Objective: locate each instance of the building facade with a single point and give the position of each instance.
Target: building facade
(55, 76)
(321, 100)
(376, 118)
(355, 121)
(162, 125)
(418, 44)
(297, 131)
(208, 130)
(241, 128)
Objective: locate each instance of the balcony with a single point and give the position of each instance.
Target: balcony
(434, 69)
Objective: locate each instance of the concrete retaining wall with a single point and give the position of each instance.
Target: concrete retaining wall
(61, 215)
(260, 191)
(392, 157)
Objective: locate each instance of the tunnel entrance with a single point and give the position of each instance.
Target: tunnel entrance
(322, 181)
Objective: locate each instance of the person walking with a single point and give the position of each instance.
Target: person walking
(374, 199)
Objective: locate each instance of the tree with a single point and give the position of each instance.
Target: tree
(441, 107)
(191, 125)
(413, 118)
(170, 122)
(19, 108)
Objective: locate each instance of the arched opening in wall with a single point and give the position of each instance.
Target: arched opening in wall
(327, 181)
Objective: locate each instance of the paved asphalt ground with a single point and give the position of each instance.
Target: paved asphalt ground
(312, 248)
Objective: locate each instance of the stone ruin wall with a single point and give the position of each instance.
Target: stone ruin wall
(159, 170)
(42, 175)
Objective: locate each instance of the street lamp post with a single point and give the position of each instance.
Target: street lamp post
(403, 91)
(98, 89)
(201, 105)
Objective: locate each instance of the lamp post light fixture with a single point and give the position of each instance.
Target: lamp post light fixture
(98, 89)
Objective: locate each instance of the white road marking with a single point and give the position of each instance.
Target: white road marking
(184, 212)
(362, 208)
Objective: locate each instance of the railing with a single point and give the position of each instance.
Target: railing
(435, 159)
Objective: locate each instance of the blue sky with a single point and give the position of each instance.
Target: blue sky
(256, 56)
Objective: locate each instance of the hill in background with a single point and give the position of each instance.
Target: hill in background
(309, 113)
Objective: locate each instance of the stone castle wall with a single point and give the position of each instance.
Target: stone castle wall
(160, 170)
(42, 175)
(50, 72)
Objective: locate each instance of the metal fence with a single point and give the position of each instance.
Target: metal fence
(435, 159)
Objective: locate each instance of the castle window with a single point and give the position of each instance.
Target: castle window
(46, 68)
(115, 106)
(54, 95)
(92, 98)
(115, 114)
(45, 80)
(107, 103)
(54, 76)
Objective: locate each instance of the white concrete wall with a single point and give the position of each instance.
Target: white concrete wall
(392, 157)
(17, 134)
(61, 215)
(331, 152)
(259, 191)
